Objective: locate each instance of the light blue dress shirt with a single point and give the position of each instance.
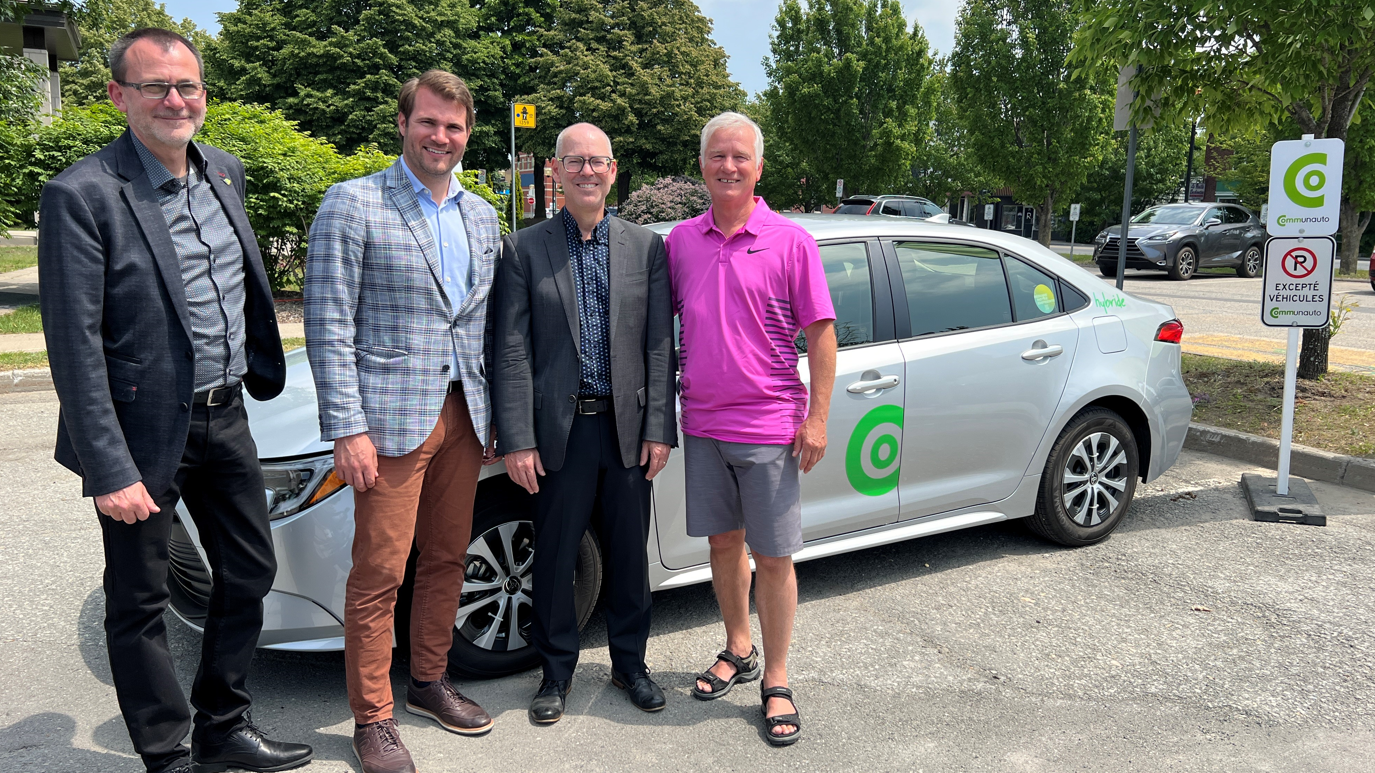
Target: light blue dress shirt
(450, 238)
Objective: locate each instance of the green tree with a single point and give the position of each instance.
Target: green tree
(945, 167)
(336, 66)
(101, 22)
(1161, 156)
(849, 95)
(1031, 124)
(646, 71)
(1245, 64)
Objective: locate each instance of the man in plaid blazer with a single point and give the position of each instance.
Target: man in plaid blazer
(397, 276)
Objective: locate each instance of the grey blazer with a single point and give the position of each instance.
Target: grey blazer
(536, 341)
(116, 322)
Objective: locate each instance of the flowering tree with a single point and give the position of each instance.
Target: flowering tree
(669, 198)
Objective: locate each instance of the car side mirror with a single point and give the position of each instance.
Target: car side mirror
(1212, 221)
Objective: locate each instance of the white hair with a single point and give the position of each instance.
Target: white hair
(731, 121)
(558, 143)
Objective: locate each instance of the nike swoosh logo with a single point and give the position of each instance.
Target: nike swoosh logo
(751, 252)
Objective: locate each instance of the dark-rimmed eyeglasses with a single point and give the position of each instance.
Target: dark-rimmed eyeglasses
(160, 89)
(598, 164)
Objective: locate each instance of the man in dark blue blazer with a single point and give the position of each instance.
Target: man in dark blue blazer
(157, 314)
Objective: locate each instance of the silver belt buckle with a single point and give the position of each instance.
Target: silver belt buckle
(210, 401)
(582, 403)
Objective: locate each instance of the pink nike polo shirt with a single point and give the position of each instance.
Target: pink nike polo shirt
(741, 301)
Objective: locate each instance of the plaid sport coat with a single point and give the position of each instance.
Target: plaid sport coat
(380, 330)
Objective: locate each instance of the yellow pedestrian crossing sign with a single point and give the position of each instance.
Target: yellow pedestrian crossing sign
(525, 115)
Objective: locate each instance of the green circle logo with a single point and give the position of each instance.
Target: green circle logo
(873, 454)
(1045, 298)
(1307, 193)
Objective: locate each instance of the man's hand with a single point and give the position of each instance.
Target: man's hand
(355, 459)
(129, 504)
(810, 442)
(524, 468)
(489, 454)
(656, 454)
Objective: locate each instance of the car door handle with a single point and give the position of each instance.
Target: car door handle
(860, 387)
(1043, 352)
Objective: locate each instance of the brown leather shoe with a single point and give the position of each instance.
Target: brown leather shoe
(379, 748)
(447, 706)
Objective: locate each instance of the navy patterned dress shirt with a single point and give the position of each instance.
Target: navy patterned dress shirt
(591, 261)
(211, 265)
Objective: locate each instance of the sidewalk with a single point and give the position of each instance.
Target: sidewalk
(19, 238)
(18, 288)
(33, 342)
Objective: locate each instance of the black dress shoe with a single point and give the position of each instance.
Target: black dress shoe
(642, 690)
(547, 707)
(247, 748)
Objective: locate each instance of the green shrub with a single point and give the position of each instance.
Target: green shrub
(287, 171)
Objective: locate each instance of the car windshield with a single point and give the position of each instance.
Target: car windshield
(1168, 215)
(854, 207)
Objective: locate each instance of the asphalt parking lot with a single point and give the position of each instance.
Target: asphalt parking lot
(1194, 639)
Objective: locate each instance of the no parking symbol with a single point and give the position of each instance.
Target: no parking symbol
(1298, 282)
(1299, 263)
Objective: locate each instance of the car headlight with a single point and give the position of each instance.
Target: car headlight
(1162, 237)
(1101, 238)
(300, 483)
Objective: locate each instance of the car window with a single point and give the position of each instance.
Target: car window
(1212, 213)
(855, 207)
(932, 210)
(1237, 215)
(847, 275)
(1033, 291)
(891, 208)
(912, 209)
(1071, 299)
(952, 287)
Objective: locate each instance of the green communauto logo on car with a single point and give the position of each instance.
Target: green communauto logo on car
(1301, 191)
(872, 456)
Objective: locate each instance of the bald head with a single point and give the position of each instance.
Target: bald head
(582, 131)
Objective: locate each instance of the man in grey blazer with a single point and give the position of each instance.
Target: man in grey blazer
(157, 314)
(583, 396)
(397, 275)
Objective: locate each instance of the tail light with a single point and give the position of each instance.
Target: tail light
(1170, 332)
(870, 210)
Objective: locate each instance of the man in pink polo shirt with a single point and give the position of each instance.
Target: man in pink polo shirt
(745, 280)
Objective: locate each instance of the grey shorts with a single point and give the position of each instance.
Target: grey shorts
(748, 486)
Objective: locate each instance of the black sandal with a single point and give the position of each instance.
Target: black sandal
(746, 670)
(782, 719)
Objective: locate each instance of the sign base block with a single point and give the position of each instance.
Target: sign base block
(1300, 506)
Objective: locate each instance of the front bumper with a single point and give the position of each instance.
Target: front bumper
(1140, 253)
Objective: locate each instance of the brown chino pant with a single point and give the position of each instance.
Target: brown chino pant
(425, 495)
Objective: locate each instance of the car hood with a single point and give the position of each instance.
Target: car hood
(1142, 230)
(289, 424)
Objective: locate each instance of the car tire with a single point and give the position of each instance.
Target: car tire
(1089, 480)
(1249, 266)
(1108, 269)
(503, 517)
(1184, 265)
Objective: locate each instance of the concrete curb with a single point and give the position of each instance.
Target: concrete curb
(1304, 462)
(35, 380)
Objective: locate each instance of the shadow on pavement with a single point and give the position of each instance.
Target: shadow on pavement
(43, 742)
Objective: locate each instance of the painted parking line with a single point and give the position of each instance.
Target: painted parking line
(1268, 350)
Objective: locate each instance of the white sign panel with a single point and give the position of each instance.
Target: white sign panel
(988, 212)
(1298, 282)
(1074, 213)
(1305, 187)
(840, 189)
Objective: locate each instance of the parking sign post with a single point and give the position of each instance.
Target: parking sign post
(1305, 185)
(1073, 226)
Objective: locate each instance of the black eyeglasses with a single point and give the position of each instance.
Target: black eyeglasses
(159, 89)
(599, 164)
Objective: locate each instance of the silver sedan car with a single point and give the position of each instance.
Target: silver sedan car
(980, 378)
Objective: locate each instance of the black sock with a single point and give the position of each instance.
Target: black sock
(419, 683)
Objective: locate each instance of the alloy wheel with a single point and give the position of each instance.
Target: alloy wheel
(1253, 261)
(495, 611)
(1095, 479)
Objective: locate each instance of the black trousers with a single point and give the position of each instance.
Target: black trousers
(593, 487)
(222, 484)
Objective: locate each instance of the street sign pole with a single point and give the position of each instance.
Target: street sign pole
(1291, 371)
(1126, 206)
(1073, 227)
(515, 172)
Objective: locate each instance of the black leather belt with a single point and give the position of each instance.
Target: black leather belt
(455, 386)
(218, 395)
(593, 405)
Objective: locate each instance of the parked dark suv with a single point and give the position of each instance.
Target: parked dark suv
(902, 206)
(1182, 238)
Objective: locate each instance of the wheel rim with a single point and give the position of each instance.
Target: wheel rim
(1186, 262)
(1095, 479)
(1253, 261)
(495, 610)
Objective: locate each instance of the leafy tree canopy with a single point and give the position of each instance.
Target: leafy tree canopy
(646, 71)
(1030, 124)
(849, 95)
(336, 66)
(100, 23)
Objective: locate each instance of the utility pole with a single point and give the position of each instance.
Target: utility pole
(1189, 167)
